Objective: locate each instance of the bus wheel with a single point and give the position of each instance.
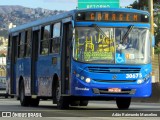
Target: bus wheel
(123, 103)
(6, 96)
(34, 102)
(62, 101)
(83, 103)
(75, 103)
(24, 100)
(12, 96)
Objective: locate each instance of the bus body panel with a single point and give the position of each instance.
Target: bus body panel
(24, 73)
(47, 67)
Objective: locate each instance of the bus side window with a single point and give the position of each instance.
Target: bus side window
(45, 36)
(27, 50)
(55, 38)
(21, 45)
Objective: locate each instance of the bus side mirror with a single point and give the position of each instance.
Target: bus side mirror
(153, 40)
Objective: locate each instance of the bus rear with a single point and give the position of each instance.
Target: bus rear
(111, 55)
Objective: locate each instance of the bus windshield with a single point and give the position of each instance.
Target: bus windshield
(112, 45)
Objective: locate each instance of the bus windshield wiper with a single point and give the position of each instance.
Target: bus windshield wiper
(127, 33)
(99, 29)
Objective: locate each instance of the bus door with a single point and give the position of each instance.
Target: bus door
(13, 64)
(34, 58)
(66, 56)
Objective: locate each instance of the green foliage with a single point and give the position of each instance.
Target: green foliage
(157, 36)
(140, 4)
(135, 5)
(157, 50)
(2, 55)
(157, 42)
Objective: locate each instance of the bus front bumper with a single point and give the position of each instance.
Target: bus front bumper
(80, 88)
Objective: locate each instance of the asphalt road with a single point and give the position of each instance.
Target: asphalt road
(95, 110)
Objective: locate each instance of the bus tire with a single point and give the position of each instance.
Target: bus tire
(83, 103)
(24, 100)
(34, 102)
(12, 96)
(62, 101)
(74, 103)
(123, 103)
(6, 96)
(18, 98)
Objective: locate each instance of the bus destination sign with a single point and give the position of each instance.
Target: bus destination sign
(112, 17)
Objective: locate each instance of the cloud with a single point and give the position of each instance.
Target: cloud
(62, 1)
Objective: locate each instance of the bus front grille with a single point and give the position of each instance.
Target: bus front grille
(113, 70)
(115, 81)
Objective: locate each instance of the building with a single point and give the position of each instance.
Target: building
(11, 25)
(2, 66)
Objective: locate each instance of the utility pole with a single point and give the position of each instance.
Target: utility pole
(150, 6)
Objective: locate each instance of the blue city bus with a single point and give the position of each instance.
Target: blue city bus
(81, 55)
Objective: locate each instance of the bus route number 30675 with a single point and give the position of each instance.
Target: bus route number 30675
(136, 75)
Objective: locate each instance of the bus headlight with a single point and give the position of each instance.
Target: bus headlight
(88, 80)
(140, 81)
(147, 77)
(82, 77)
(77, 75)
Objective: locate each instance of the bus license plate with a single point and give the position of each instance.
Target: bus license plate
(114, 90)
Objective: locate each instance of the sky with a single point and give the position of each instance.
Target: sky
(52, 4)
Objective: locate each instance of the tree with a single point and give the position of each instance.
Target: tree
(135, 5)
(2, 55)
(141, 4)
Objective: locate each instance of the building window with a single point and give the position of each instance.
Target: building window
(55, 38)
